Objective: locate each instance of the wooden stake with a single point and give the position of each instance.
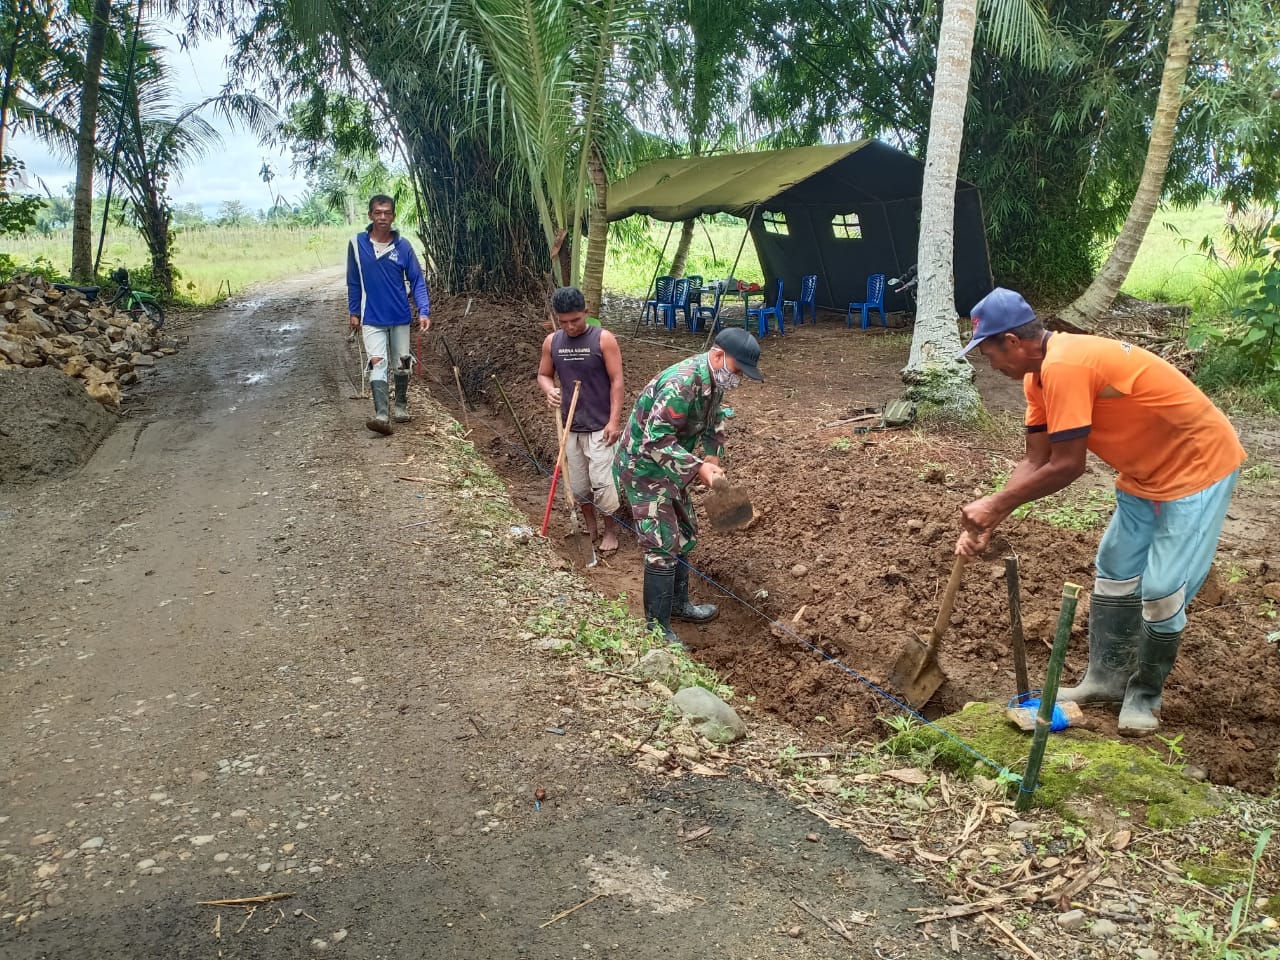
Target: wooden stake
(1015, 625)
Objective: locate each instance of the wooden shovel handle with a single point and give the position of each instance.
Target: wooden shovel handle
(562, 436)
(564, 428)
(948, 601)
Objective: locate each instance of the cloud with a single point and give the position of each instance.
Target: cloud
(230, 172)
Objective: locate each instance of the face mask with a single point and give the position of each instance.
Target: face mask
(726, 379)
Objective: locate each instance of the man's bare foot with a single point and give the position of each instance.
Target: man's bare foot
(609, 543)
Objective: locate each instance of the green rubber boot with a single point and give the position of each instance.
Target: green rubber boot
(659, 586)
(1114, 626)
(379, 422)
(1140, 714)
(400, 412)
(681, 608)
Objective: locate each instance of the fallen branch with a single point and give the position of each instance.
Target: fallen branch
(834, 926)
(1011, 936)
(564, 913)
(958, 910)
(244, 901)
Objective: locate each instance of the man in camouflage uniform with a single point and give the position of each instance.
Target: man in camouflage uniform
(656, 463)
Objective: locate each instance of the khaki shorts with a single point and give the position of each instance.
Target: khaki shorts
(590, 463)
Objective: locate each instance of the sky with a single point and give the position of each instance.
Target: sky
(228, 173)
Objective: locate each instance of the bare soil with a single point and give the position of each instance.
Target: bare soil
(855, 533)
(240, 656)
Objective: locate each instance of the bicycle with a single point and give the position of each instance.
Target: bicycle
(136, 303)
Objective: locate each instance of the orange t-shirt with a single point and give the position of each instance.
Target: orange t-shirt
(1164, 436)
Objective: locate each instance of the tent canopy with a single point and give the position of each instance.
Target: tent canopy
(842, 211)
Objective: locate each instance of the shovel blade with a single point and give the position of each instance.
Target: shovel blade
(728, 507)
(582, 549)
(916, 674)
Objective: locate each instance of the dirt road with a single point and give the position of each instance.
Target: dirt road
(241, 657)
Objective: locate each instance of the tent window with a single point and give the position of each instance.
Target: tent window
(775, 223)
(846, 226)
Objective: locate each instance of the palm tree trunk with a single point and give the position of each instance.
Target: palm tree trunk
(932, 369)
(597, 234)
(681, 259)
(1090, 305)
(86, 143)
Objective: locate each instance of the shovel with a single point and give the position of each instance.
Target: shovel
(728, 507)
(561, 438)
(580, 544)
(916, 674)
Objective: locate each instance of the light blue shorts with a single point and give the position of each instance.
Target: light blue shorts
(1163, 550)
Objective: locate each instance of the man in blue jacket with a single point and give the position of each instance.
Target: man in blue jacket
(379, 263)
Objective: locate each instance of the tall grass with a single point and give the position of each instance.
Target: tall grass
(211, 260)
(1171, 268)
(634, 255)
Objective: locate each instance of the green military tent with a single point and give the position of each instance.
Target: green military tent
(842, 211)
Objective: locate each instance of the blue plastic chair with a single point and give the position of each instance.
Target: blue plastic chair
(874, 301)
(808, 298)
(679, 301)
(703, 313)
(662, 291)
(763, 313)
(695, 294)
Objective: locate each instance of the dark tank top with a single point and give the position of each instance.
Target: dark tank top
(580, 358)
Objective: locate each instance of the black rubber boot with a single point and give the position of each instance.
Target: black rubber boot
(1140, 714)
(379, 422)
(1114, 626)
(400, 412)
(681, 608)
(659, 584)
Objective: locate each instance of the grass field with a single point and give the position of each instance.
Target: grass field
(214, 259)
(209, 259)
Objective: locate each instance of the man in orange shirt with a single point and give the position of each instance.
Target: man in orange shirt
(1177, 457)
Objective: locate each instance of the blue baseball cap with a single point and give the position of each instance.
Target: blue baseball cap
(998, 312)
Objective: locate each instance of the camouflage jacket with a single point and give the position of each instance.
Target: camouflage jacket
(678, 408)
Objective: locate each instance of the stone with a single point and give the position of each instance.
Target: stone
(1071, 920)
(1103, 929)
(661, 667)
(93, 843)
(711, 716)
(143, 866)
(1271, 590)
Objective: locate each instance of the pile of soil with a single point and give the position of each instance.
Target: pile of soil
(854, 540)
(49, 425)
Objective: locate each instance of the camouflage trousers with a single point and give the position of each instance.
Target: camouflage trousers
(662, 513)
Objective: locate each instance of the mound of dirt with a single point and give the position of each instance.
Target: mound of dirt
(854, 538)
(49, 425)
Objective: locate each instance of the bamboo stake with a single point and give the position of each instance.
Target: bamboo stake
(1040, 739)
(519, 427)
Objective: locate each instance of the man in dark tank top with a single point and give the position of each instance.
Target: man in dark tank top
(587, 355)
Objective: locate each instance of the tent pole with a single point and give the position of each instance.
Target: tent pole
(635, 331)
(711, 332)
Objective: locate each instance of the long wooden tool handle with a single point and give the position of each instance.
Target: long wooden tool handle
(563, 437)
(948, 601)
(565, 428)
(1015, 625)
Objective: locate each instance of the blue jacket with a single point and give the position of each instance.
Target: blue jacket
(375, 285)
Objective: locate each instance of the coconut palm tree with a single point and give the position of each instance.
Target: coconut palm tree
(538, 75)
(1090, 305)
(933, 370)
